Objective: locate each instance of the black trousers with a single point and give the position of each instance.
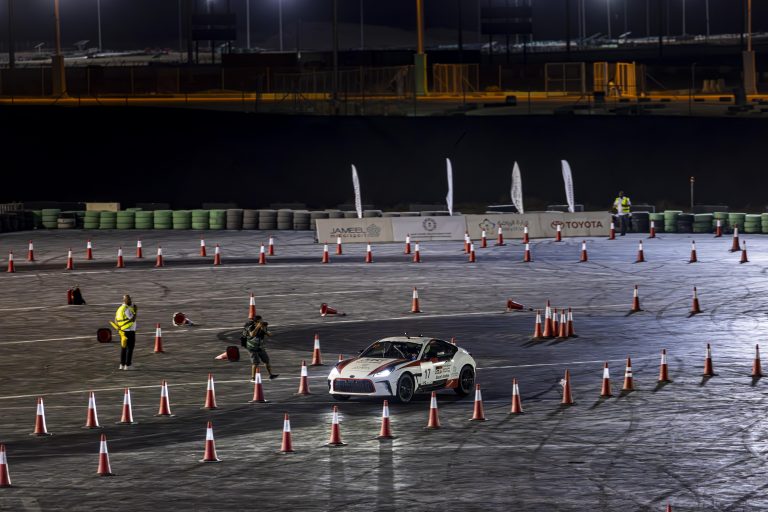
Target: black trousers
(126, 354)
(624, 221)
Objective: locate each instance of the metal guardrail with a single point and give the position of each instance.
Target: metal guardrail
(11, 207)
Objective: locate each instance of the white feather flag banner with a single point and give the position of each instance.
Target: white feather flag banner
(568, 180)
(449, 197)
(517, 189)
(358, 200)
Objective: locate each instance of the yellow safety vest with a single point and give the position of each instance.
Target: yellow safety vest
(624, 202)
(124, 323)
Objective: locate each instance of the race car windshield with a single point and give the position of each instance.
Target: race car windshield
(393, 350)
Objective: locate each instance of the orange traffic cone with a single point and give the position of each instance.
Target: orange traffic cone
(527, 254)
(537, 332)
(70, 260)
(467, 241)
(735, 244)
(159, 258)
(629, 384)
(584, 256)
(562, 332)
(757, 370)
(317, 359)
(368, 254)
(555, 323)
(210, 394)
(252, 307)
(262, 256)
(165, 401)
(210, 446)
(516, 306)
(719, 229)
(640, 254)
(635, 302)
(652, 232)
(517, 405)
(104, 467)
(472, 258)
(416, 254)
(217, 255)
(477, 413)
(567, 398)
(139, 250)
(559, 233)
(605, 390)
(434, 421)
(744, 253)
(5, 476)
(120, 262)
(386, 428)
(693, 258)
(304, 381)
(11, 268)
(335, 439)
(571, 331)
(88, 250)
(31, 252)
(126, 418)
(483, 240)
(695, 308)
(203, 253)
(92, 419)
(40, 427)
(669, 507)
(158, 339)
(271, 244)
(326, 258)
(663, 367)
(325, 309)
(341, 357)
(548, 324)
(709, 371)
(286, 446)
(415, 301)
(339, 251)
(612, 233)
(258, 388)
(500, 237)
(407, 244)
(525, 235)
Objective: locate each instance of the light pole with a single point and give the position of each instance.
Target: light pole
(98, 19)
(362, 33)
(11, 49)
(706, 14)
(57, 62)
(248, 24)
(693, 180)
(608, 12)
(683, 1)
(280, 21)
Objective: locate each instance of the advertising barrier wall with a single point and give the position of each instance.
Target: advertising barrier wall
(394, 229)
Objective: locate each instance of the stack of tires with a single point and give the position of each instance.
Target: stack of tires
(764, 221)
(108, 220)
(163, 219)
(313, 216)
(37, 219)
(640, 222)
(723, 218)
(658, 221)
(250, 219)
(126, 219)
(145, 220)
(685, 223)
(372, 213)
(702, 223)
(753, 224)
(201, 220)
(91, 220)
(80, 217)
(235, 218)
(268, 220)
(670, 220)
(350, 215)
(736, 219)
(219, 219)
(335, 214)
(182, 219)
(66, 220)
(301, 220)
(284, 219)
(50, 218)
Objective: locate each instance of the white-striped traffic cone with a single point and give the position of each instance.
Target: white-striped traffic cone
(258, 388)
(5, 476)
(159, 257)
(434, 421)
(11, 267)
(41, 429)
(415, 301)
(31, 252)
(92, 419)
(386, 428)
(252, 307)
(287, 445)
(339, 250)
(478, 414)
(517, 405)
(210, 394)
(120, 262)
(262, 255)
(217, 255)
(605, 390)
(203, 252)
(158, 339)
(317, 359)
(326, 257)
(139, 249)
(210, 446)
(88, 250)
(70, 260)
(165, 401)
(126, 418)
(335, 439)
(304, 380)
(104, 468)
(271, 246)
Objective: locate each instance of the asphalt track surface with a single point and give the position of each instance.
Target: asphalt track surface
(699, 444)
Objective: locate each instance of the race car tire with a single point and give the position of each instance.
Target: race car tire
(405, 388)
(341, 398)
(466, 381)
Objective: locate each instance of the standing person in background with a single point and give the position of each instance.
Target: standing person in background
(254, 333)
(125, 323)
(622, 205)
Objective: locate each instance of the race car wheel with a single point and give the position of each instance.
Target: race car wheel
(466, 381)
(341, 398)
(405, 388)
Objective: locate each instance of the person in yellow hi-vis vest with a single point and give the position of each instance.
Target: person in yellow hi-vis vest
(125, 324)
(622, 206)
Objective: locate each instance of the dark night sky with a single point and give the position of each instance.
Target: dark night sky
(153, 23)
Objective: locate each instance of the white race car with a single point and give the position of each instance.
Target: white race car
(401, 366)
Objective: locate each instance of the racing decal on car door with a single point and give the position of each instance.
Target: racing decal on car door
(442, 370)
(427, 373)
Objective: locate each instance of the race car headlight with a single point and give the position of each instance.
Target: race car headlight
(384, 373)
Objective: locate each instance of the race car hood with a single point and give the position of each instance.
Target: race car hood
(362, 367)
